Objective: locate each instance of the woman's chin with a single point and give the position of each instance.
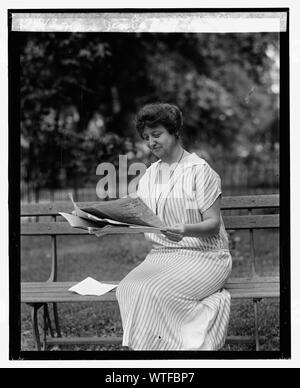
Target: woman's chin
(158, 152)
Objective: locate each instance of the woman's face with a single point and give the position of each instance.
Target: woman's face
(159, 140)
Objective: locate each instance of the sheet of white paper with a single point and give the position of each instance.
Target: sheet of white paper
(90, 286)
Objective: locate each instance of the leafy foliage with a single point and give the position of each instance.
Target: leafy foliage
(80, 92)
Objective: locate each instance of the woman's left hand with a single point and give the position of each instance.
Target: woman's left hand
(174, 232)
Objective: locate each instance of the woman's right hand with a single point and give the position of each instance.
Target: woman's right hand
(175, 232)
(96, 232)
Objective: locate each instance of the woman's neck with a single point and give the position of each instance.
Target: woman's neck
(174, 157)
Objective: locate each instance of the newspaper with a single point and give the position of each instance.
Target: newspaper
(124, 215)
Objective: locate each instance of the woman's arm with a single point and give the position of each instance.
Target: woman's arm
(210, 224)
(208, 227)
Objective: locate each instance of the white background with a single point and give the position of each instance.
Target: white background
(294, 105)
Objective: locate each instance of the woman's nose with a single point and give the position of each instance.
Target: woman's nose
(152, 141)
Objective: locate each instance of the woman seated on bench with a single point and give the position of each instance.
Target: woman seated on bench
(174, 299)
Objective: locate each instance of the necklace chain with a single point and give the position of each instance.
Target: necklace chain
(171, 174)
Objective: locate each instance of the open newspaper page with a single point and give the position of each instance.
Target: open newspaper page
(128, 210)
(101, 217)
(125, 215)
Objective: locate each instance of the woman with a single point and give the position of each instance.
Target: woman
(174, 299)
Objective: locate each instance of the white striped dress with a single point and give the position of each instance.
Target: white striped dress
(174, 299)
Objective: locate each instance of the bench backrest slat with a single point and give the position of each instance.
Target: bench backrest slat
(235, 202)
(231, 222)
(51, 208)
(250, 202)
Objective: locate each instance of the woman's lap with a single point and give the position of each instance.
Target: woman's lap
(192, 275)
(163, 294)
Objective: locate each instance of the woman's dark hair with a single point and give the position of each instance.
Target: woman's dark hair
(153, 115)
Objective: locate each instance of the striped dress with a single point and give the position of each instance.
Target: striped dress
(174, 299)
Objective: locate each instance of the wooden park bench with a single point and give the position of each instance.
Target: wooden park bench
(39, 295)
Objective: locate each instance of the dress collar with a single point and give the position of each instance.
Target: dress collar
(191, 159)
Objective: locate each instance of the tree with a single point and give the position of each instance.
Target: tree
(80, 92)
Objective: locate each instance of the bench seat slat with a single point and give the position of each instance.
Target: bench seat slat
(110, 297)
(66, 296)
(84, 340)
(58, 291)
(232, 282)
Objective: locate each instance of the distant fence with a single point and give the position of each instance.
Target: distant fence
(236, 180)
(89, 193)
(239, 175)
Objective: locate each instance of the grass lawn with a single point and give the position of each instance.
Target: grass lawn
(112, 257)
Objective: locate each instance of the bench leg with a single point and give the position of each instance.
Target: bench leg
(47, 320)
(255, 302)
(55, 312)
(35, 325)
(47, 325)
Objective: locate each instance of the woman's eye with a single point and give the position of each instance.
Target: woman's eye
(155, 135)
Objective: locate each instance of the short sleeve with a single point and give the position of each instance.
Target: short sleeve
(208, 187)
